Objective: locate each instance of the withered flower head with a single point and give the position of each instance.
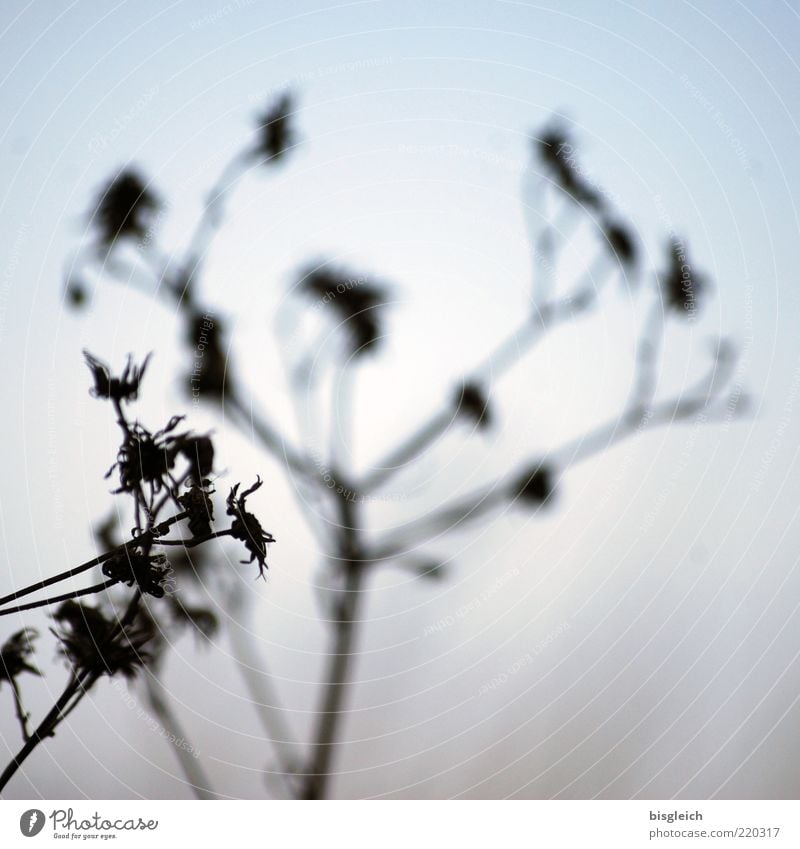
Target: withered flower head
(146, 457)
(147, 571)
(92, 643)
(199, 453)
(556, 152)
(196, 501)
(122, 388)
(472, 403)
(275, 133)
(247, 528)
(535, 486)
(209, 375)
(621, 243)
(357, 301)
(124, 208)
(200, 619)
(14, 655)
(681, 285)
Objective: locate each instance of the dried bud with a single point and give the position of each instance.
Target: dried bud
(536, 486)
(357, 301)
(621, 242)
(275, 136)
(472, 403)
(247, 528)
(197, 503)
(123, 388)
(147, 571)
(94, 644)
(124, 208)
(14, 655)
(681, 285)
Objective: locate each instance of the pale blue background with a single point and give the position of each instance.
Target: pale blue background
(672, 559)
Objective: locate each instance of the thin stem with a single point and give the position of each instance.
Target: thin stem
(269, 437)
(340, 659)
(263, 697)
(210, 220)
(192, 542)
(96, 588)
(158, 701)
(451, 517)
(22, 715)
(408, 450)
(648, 350)
(44, 730)
(507, 354)
(145, 538)
(337, 680)
(633, 421)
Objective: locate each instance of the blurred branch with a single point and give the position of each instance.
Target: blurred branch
(508, 353)
(633, 421)
(158, 701)
(258, 681)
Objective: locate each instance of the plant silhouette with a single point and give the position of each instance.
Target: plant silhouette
(356, 307)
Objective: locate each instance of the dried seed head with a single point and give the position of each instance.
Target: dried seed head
(15, 653)
(147, 571)
(247, 528)
(535, 486)
(275, 133)
(92, 643)
(122, 388)
(472, 403)
(124, 208)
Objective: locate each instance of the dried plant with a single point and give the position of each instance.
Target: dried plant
(120, 636)
(357, 304)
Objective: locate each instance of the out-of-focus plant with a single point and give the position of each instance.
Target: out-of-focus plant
(358, 306)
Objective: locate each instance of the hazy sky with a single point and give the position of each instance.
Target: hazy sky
(644, 633)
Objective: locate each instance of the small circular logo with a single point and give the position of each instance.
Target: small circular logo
(31, 822)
